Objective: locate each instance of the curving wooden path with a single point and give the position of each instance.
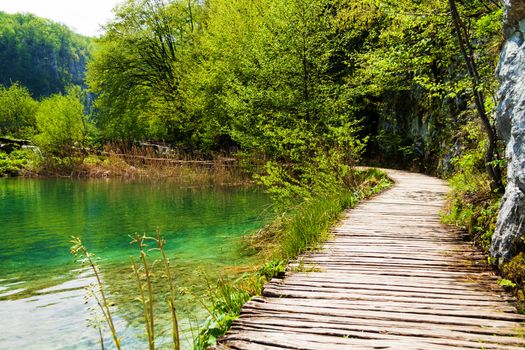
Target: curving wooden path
(392, 277)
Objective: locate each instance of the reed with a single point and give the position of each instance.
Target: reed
(86, 258)
(171, 301)
(188, 169)
(144, 274)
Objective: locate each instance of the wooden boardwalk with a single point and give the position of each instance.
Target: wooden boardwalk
(392, 277)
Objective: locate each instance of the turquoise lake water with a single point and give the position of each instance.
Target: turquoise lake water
(42, 288)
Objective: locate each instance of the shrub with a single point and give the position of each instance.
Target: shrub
(62, 125)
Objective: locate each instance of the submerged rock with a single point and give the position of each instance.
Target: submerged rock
(510, 123)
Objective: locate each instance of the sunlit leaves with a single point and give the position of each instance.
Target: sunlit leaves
(62, 124)
(137, 69)
(17, 111)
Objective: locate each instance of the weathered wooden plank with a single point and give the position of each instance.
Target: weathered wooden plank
(416, 308)
(242, 344)
(290, 293)
(394, 271)
(289, 339)
(386, 292)
(367, 335)
(473, 331)
(305, 325)
(390, 261)
(372, 286)
(386, 281)
(385, 315)
(351, 255)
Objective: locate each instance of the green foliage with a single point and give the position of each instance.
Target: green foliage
(62, 124)
(252, 74)
(471, 204)
(17, 111)
(514, 273)
(270, 69)
(141, 97)
(309, 222)
(226, 300)
(13, 163)
(506, 283)
(44, 56)
(271, 269)
(409, 79)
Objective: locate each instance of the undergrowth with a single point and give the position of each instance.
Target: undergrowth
(133, 163)
(17, 162)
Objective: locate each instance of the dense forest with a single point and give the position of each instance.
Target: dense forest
(305, 87)
(41, 55)
(386, 79)
(320, 80)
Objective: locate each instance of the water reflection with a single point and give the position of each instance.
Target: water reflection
(41, 290)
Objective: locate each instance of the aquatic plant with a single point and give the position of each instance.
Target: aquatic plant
(96, 291)
(143, 272)
(147, 302)
(171, 300)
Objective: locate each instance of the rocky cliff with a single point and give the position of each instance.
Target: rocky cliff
(510, 122)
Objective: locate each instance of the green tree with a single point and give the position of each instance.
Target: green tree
(492, 157)
(271, 68)
(62, 124)
(137, 70)
(42, 55)
(408, 79)
(17, 111)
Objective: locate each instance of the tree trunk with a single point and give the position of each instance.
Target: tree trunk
(492, 167)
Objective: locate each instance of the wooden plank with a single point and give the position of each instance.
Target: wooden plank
(305, 325)
(389, 287)
(416, 308)
(385, 281)
(386, 315)
(366, 334)
(394, 271)
(473, 331)
(271, 291)
(386, 292)
(289, 339)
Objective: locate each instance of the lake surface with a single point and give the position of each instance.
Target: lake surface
(42, 288)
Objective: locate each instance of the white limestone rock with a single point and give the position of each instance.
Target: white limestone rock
(510, 123)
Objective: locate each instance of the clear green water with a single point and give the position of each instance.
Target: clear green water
(42, 289)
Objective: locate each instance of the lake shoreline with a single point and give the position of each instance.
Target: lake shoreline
(188, 169)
